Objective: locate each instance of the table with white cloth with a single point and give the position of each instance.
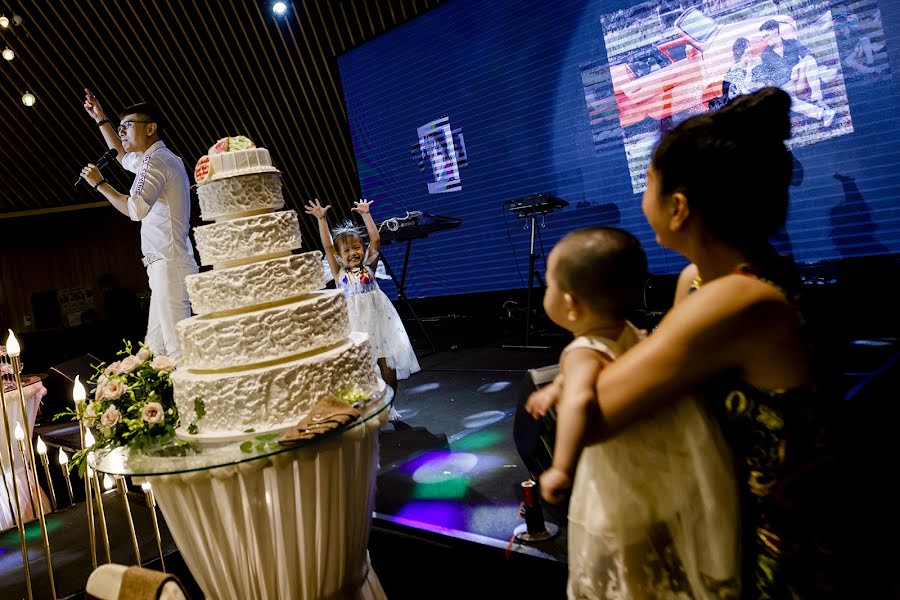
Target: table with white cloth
(33, 390)
(273, 522)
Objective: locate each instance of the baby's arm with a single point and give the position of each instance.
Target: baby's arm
(579, 368)
(362, 207)
(541, 401)
(315, 209)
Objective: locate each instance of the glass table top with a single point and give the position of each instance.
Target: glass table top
(174, 457)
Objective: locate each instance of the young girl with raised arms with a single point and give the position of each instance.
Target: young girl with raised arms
(352, 264)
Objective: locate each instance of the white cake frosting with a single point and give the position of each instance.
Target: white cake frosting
(229, 198)
(240, 162)
(268, 281)
(265, 345)
(230, 242)
(272, 396)
(265, 335)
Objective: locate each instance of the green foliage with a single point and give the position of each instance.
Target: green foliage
(262, 443)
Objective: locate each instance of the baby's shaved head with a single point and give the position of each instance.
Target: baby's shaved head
(603, 267)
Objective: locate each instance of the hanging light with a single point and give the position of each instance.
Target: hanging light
(8, 54)
(279, 8)
(4, 21)
(28, 99)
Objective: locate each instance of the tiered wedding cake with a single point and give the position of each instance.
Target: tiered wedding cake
(266, 344)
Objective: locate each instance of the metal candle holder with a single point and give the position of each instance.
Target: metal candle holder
(64, 465)
(45, 460)
(120, 484)
(92, 476)
(32, 493)
(151, 504)
(12, 348)
(19, 524)
(78, 395)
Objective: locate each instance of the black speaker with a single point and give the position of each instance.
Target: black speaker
(534, 437)
(59, 383)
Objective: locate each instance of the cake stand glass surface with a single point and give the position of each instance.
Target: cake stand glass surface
(273, 522)
(180, 458)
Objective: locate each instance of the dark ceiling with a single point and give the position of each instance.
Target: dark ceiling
(215, 67)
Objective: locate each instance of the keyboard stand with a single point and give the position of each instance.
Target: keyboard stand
(532, 274)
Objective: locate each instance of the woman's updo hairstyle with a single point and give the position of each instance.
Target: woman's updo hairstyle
(733, 166)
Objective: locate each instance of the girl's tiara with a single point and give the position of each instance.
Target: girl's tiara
(345, 228)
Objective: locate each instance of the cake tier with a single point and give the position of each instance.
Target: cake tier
(240, 162)
(274, 396)
(273, 280)
(268, 334)
(231, 242)
(239, 196)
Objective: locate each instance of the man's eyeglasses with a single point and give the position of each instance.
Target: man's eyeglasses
(124, 125)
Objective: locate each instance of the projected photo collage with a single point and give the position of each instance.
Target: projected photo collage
(672, 60)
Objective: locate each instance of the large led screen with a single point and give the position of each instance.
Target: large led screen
(476, 109)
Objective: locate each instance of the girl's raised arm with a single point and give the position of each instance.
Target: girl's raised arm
(315, 208)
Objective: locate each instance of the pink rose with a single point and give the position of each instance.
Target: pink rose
(144, 354)
(162, 363)
(111, 416)
(129, 364)
(153, 413)
(90, 415)
(114, 389)
(112, 369)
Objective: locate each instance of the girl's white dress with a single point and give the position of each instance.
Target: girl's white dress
(372, 312)
(654, 510)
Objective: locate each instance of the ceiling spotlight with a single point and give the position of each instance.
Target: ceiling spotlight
(4, 21)
(28, 99)
(279, 8)
(8, 54)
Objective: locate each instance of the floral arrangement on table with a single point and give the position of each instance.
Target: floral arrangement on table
(133, 403)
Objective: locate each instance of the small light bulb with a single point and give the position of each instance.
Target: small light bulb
(8, 54)
(28, 99)
(279, 8)
(20, 433)
(63, 458)
(41, 447)
(4, 21)
(78, 391)
(12, 344)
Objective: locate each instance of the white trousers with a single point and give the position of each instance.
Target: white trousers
(169, 303)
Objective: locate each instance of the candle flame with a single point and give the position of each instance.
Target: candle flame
(88, 438)
(78, 391)
(90, 472)
(108, 482)
(20, 433)
(63, 458)
(12, 344)
(41, 447)
(145, 486)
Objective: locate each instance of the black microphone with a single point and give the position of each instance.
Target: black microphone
(104, 160)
